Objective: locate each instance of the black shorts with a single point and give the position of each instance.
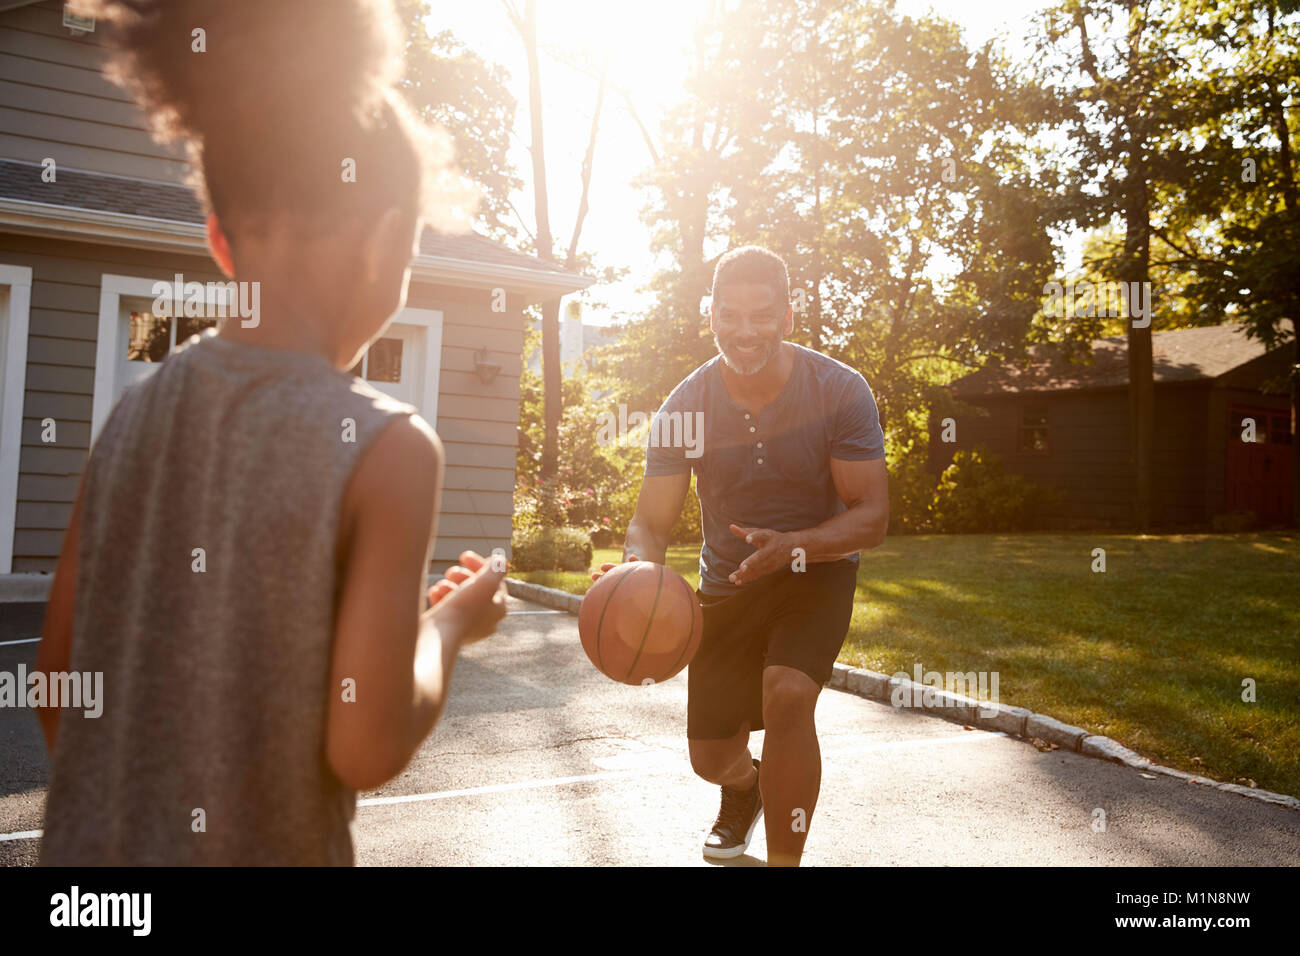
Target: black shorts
(796, 619)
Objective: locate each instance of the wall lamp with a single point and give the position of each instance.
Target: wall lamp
(487, 371)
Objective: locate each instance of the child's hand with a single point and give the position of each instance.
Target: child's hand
(470, 600)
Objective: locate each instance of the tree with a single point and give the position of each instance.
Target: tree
(690, 222)
(451, 86)
(864, 147)
(1127, 99)
(1239, 228)
(526, 25)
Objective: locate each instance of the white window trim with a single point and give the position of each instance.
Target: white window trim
(431, 321)
(111, 342)
(19, 281)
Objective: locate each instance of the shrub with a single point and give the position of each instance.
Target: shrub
(550, 549)
(976, 495)
(1235, 521)
(911, 497)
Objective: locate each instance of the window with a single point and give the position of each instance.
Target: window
(133, 342)
(405, 362)
(382, 362)
(152, 339)
(1279, 431)
(1269, 426)
(1033, 430)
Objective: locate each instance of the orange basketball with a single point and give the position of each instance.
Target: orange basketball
(640, 623)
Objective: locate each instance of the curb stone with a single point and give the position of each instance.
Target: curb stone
(25, 588)
(1008, 719)
(1095, 745)
(1065, 736)
(1014, 721)
(864, 683)
(547, 597)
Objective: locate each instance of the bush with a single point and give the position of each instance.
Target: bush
(1235, 521)
(600, 513)
(975, 495)
(550, 549)
(911, 497)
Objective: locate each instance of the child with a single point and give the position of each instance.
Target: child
(247, 555)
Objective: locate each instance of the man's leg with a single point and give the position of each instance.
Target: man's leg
(792, 763)
(724, 703)
(727, 763)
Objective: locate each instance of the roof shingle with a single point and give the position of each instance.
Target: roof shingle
(1180, 355)
(175, 203)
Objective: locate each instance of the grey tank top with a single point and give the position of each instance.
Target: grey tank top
(210, 749)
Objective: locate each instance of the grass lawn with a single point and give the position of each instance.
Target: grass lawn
(1153, 652)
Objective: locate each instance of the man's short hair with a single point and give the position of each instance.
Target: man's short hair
(753, 264)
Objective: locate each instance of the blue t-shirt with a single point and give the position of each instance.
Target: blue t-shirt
(770, 470)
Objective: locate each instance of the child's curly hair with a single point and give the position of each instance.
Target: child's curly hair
(272, 97)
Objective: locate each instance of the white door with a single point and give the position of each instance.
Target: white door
(15, 297)
(393, 364)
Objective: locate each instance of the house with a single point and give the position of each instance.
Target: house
(82, 247)
(577, 338)
(1067, 425)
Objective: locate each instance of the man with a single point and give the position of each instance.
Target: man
(792, 484)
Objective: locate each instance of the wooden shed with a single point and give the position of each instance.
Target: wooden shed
(1066, 425)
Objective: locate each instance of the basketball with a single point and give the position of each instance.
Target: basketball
(640, 623)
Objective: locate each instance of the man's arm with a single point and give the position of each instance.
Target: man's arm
(55, 650)
(657, 508)
(863, 486)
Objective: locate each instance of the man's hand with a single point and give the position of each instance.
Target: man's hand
(605, 568)
(773, 552)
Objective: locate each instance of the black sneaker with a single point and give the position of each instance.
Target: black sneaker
(739, 815)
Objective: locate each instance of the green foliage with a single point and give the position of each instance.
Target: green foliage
(597, 481)
(976, 495)
(913, 184)
(454, 88)
(550, 549)
(1236, 214)
(911, 497)
(868, 149)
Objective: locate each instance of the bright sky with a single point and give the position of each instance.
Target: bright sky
(647, 44)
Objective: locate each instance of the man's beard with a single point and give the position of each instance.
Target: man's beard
(747, 364)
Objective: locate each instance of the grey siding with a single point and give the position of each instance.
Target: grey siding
(1181, 452)
(477, 422)
(1088, 451)
(64, 327)
(55, 102)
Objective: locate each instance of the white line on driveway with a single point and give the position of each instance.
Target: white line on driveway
(655, 764)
